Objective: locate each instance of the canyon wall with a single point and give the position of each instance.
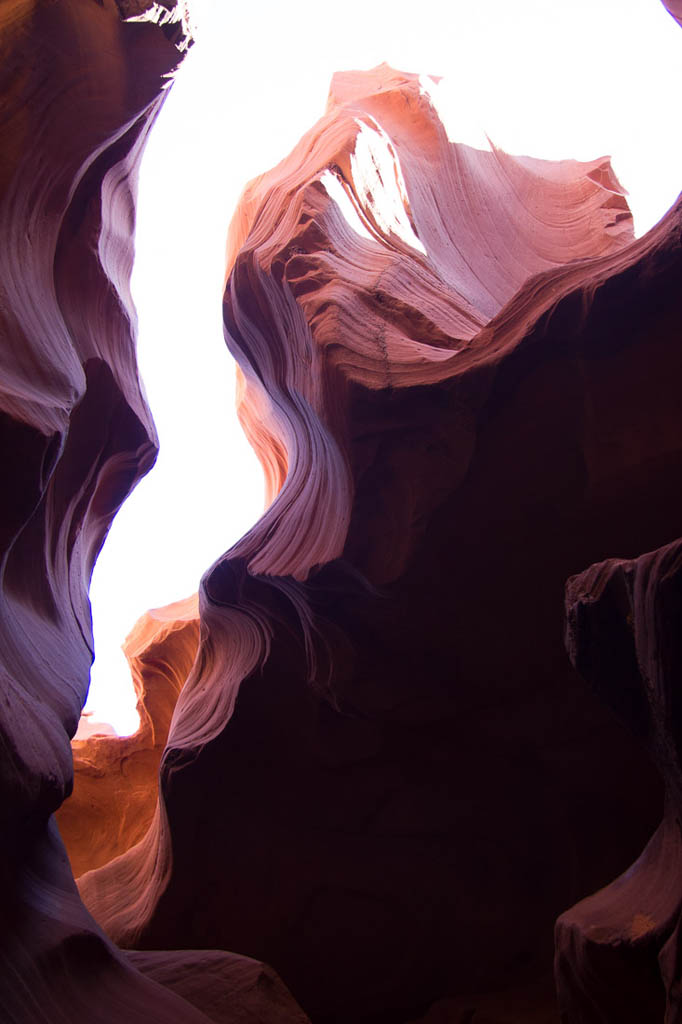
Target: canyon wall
(383, 776)
(79, 89)
(377, 769)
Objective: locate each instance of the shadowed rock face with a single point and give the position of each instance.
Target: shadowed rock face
(76, 431)
(391, 774)
(79, 90)
(618, 952)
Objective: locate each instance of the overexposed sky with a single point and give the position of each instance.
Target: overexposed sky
(584, 79)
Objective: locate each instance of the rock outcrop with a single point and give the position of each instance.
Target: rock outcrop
(619, 954)
(461, 379)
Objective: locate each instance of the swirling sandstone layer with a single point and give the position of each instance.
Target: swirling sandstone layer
(79, 89)
(463, 391)
(619, 953)
(76, 436)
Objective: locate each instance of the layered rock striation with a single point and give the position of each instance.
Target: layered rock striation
(376, 768)
(459, 371)
(79, 88)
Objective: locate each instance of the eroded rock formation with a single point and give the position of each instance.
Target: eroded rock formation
(619, 952)
(463, 391)
(382, 775)
(227, 988)
(79, 89)
(115, 778)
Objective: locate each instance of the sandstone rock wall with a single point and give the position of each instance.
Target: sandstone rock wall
(79, 89)
(395, 779)
(382, 774)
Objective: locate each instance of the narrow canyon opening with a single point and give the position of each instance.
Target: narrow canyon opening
(223, 123)
(409, 742)
(538, 81)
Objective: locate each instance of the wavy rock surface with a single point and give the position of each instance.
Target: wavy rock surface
(229, 989)
(463, 390)
(116, 779)
(79, 89)
(76, 436)
(619, 954)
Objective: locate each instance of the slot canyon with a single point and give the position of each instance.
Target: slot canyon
(412, 753)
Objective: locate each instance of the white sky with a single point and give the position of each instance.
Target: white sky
(580, 79)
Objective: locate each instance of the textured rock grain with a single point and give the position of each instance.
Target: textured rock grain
(78, 91)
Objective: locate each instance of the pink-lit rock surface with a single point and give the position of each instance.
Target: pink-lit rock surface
(619, 953)
(79, 89)
(395, 778)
